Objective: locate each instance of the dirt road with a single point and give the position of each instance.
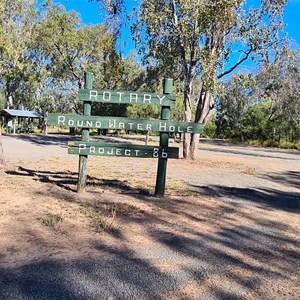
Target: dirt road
(228, 227)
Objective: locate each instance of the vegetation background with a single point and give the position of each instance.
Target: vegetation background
(45, 51)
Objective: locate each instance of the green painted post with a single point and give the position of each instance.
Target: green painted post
(85, 136)
(164, 142)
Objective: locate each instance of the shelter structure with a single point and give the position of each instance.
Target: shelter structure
(19, 121)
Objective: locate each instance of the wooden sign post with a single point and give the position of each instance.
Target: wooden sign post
(87, 121)
(85, 136)
(163, 142)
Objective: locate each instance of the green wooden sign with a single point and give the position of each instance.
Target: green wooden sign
(84, 148)
(100, 122)
(126, 150)
(108, 96)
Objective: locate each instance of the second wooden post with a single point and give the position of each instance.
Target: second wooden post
(164, 141)
(85, 136)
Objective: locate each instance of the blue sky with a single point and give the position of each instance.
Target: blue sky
(90, 15)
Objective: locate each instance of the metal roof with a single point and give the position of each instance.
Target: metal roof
(20, 113)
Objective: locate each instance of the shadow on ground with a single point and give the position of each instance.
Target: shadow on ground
(68, 180)
(264, 153)
(262, 197)
(231, 249)
(63, 139)
(228, 261)
(288, 178)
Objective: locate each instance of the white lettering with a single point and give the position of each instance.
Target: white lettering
(121, 125)
(118, 151)
(101, 150)
(162, 127)
(92, 149)
(61, 120)
(139, 126)
(98, 124)
(137, 152)
(82, 147)
(147, 98)
(112, 123)
(71, 123)
(106, 96)
(155, 152)
(93, 94)
(120, 96)
(111, 152)
(148, 127)
(130, 125)
(160, 99)
(127, 152)
(179, 129)
(133, 97)
(189, 129)
(89, 123)
(172, 128)
(164, 154)
(80, 123)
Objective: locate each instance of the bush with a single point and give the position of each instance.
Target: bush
(210, 129)
(289, 145)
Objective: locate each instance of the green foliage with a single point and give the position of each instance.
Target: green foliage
(143, 112)
(2, 99)
(44, 53)
(191, 39)
(210, 129)
(17, 71)
(232, 106)
(263, 109)
(197, 38)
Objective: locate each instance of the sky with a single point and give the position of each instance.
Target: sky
(90, 14)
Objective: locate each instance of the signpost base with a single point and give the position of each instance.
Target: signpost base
(82, 173)
(161, 177)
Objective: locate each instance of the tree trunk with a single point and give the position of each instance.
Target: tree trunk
(2, 161)
(188, 118)
(204, 107)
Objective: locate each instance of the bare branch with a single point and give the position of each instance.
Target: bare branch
(247, 54)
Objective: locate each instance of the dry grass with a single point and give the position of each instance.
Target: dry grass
(51, 220)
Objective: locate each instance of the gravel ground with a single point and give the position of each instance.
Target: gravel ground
(231, 233)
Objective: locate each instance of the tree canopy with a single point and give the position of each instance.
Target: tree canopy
(45, 50)
(192, 39)
(265, 106)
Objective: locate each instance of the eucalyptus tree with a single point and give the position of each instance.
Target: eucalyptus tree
(17, 19)
(16, 24)
(192, 39)
(70, 49)
(232, 105)
(264, 106)
(279, 83)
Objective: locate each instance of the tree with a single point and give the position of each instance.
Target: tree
(70, 50)
(232, 106)
(279, 83)
(17, 19)
(265, 106)
(196, 39)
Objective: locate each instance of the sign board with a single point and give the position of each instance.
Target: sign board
(84, 148)
(100, 122)
(108, 96)
(125, 150)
